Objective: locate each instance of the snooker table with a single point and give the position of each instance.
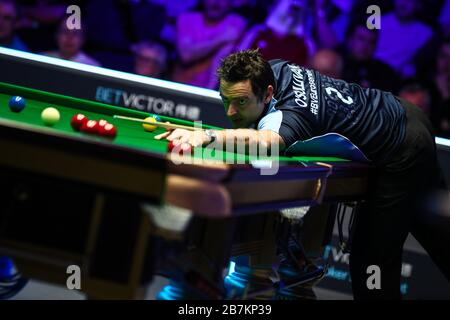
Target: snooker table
(69, 198)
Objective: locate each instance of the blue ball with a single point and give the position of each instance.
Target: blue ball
(157, 118)
(16, 104)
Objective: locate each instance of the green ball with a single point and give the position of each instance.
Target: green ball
(50, 116)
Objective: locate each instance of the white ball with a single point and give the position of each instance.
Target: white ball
(50, 116)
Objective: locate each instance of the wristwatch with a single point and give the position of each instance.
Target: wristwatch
(211, 134)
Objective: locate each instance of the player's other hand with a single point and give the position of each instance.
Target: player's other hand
(194, 138)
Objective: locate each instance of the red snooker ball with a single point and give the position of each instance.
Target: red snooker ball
(77, 121)
(180, 149)
(171, 146)
(90, 127)
(102, 123)
(108, 131)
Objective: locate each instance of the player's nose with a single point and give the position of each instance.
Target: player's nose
(232, 111)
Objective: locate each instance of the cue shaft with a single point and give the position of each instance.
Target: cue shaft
(158, 124)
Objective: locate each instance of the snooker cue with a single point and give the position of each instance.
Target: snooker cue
(158, 124)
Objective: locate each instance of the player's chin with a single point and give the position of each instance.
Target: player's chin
(237, 124)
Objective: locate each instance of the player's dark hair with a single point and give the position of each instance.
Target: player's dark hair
(247, 65)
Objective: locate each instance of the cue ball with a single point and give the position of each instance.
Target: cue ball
(16, 104)
(149, 127)
(50, 116)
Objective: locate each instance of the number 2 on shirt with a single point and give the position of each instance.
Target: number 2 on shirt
(332, 92)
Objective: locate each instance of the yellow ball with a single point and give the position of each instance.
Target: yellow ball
(149, 127)
(50, 116)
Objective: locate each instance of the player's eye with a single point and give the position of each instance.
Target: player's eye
(242, 102)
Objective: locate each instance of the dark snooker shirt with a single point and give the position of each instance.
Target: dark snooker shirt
(307, 104)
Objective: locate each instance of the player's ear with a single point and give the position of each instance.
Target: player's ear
(269, 94)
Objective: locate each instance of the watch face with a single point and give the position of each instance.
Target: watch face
(211, 135)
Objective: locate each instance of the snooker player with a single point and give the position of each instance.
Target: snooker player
(279, 99)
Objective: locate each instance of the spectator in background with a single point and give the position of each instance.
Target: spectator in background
(401, 36)
(254, 11)
(360, 66)
(70, 43)
(203, 38)
(436, 74)
(8, 19)
(443, 128)
(441, 79)
(39, 20)
(173, 9)
(444, 19)
(287, 32)
(283, 35)
(327, 62)
(146, 20)
(340, 16)
(417, 93)
(150, 59)
(442, 74)
(113, 26)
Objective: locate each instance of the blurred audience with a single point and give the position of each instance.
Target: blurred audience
(39, 20)
(441, 79)
(360, 66)
(323, 33)
(417, 93)
(203, 38)
(173, 9)
(401, 36)
(443, 128)
(444, 18)
(145, 19)
(340, 16)
(442, 74)
(150, 59)
(254, 11)
(184, 40)
(70, 44)
(289, 32)
(283, 35)
(112, 27)
(8, 21)
(327, 62)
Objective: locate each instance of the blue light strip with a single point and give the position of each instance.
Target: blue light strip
(443, 142)
(163, 84)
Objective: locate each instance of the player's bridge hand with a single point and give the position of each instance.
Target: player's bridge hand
(194, 138)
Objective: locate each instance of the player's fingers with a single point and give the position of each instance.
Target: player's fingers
(185, 138)
(176, 134)
(162, 135)
(176, 143)
(195, 141)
